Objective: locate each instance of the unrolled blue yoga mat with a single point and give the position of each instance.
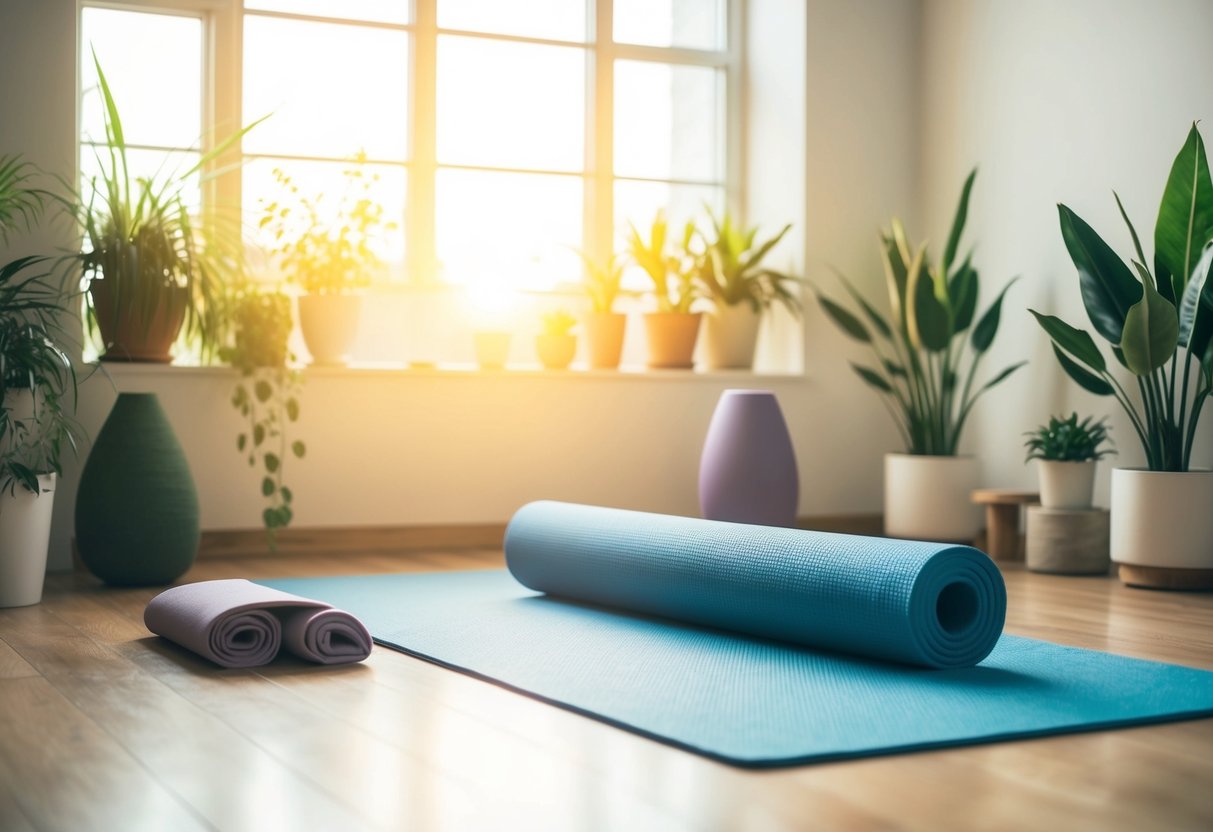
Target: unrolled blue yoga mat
(755, 645)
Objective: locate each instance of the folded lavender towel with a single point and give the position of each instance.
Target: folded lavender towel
(236, 623)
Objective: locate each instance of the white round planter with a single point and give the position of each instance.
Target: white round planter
(929, 497)
(329, 324)
(1162, 527)
(730, 337)
(25, 531)
(1068, 485)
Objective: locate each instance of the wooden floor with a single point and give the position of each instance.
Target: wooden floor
(103, 726)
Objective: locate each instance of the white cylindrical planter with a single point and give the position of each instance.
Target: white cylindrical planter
(25, 532)
(730, 336)
(329, 324)
(1162, 527)
(1066, 485)
(929, 497)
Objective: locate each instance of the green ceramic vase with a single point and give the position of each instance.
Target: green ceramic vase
(137, 508)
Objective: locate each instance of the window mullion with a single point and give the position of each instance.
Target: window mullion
(735, 115)
(223, 102)
(423, 161)
(600, 120)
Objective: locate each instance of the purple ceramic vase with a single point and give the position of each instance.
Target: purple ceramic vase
(747, 473)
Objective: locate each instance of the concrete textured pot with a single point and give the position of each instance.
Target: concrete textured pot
(1066, 484)
(1162, 528)
(604, 331)
(730, 337)
(329, 324)
(671, 337)
(929, 497)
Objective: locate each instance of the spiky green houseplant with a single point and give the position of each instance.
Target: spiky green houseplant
(151, 267)
(1066, 439)
(1158, 322)
(927, 352)
(673, 329)
(730, 268)
(604, 327)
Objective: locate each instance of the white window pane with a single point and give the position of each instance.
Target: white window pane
(668, 121)
(159, 165)
(325, 184)
(639, 202)
(510, 105)
(553, 19)
(153, 63)
(516, 229)
(332, 89)
(693, 24)
(379, 11)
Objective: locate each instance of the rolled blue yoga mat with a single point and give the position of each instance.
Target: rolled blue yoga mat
(754, 645)
(930, 604)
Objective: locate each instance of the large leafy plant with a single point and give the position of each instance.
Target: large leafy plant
(670, 267)
(1159, 322)
(928, 350)
(730, 267)
(142, 239)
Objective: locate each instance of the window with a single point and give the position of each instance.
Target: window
(502, 137)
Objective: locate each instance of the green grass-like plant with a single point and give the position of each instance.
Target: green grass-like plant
(925, 367)
(1159, 322)
(558, 322)
(603, 281)
(669, 266)
(731, 272)
(1066, 439)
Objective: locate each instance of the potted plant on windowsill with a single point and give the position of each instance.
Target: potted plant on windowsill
(1066, 451)
(557, 344)
(730, 271)
(150, 266)
(36, 382)
(330, 258)
(1160, 326)
(673, 329)
(267, 395)
(925, 369)
(603, 325)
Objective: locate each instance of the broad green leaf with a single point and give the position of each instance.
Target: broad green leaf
(258, 434)
(895, 279)
(873, 378)
(1185, 217)
(962, 297)
(1151, 332)
(987, 325)
(287, 494)
(270, 518)
(845, 321)
(292, 409)
(267, 486)
(926, 318)
(1196, 308)
(272, 462)
(262, 390)
(1083, 377)
(298, 448)
(1077, 342)
(1108, 287)
(958, 224)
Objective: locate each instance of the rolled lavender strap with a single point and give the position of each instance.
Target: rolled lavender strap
(236, 623)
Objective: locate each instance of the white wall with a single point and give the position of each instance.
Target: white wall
(1057, 102)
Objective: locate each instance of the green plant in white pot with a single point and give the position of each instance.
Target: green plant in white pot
(673, 329)
(731, 273)
(329, 255)
(1066, 451)
(604, 326)
(37, 395)
(1159, 323)
(926, 356)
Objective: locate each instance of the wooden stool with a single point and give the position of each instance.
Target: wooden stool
(1002, 519)
(1067, 541)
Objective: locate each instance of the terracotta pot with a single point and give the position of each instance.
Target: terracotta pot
(556, 351)
(605, 333)
(929, 497)
(730, 336)
(329, 324)
(132, 332)
(1162, 527)
(671, 337)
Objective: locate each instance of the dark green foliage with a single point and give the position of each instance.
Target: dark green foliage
(1069, 440)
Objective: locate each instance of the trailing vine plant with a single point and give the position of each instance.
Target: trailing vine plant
(267, 396)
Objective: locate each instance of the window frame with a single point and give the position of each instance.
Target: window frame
(222, 105)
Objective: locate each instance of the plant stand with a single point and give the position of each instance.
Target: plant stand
(1002, 520)
(1165, 577)
(1067, 541)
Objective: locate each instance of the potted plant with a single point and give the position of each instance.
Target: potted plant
(36, 382)
(267, 395)
(604, 326)
(1160, 325)
(1066, 451)
(330, 258)
(927, 354)
(557, 344)
(673, 329)
(731, 273)
(151, 268)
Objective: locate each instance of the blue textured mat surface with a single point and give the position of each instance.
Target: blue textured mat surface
(744, 699)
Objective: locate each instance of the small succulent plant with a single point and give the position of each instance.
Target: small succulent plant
(1066, 439)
